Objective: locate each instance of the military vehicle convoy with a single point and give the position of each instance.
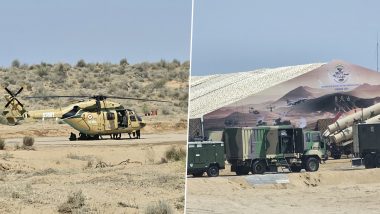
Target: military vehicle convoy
(205, 156)
(366, 143)
(265, 148)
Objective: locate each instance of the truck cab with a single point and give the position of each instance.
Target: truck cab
(314, 142)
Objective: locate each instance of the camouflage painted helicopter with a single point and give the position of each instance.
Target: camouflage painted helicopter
(92, 118)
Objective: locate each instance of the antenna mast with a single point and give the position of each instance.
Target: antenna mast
(377, 52)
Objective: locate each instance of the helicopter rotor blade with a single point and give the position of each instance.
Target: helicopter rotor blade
(55, 96)
(140, 99)
(98, 97)
(19, 102)
(9, 92)
(19, 91)
(8, 103)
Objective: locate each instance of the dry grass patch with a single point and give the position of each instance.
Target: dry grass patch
(160, 207)
(74, 202)
(175, 154)
(130, 204)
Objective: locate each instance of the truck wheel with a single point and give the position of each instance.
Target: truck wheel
(258, 167)
(295, 168)
(312, 164)
(369, 161)
(198, 174)
(378, 160)
(213, 171)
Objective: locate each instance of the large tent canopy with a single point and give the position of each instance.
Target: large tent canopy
(208, 93)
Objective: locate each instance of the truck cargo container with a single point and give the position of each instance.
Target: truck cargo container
(366, 141)
(205, 156)
(265, 148)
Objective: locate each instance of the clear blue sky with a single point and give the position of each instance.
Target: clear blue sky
(95, 30)
(243, 35)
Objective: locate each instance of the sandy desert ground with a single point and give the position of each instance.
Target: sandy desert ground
(105, 176)
(335, 188)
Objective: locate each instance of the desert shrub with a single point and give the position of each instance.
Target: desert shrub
(176, 62)
(160, 207)
(183, 75)
(165, 111)
(28, 141)
(2, 144)
(81, 63)
(15, 63)
(74, 201)
(42, 71)
(145, 108)
(175, 153)
(124, 62)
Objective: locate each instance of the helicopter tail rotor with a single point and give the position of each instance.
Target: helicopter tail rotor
(12, 97)
(16, 108)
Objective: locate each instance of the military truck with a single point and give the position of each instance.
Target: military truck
(205, 156)
(265, 148)
(366, 142)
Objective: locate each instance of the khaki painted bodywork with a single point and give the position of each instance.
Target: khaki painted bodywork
(86, 119)
(346, 134)
(349, 120)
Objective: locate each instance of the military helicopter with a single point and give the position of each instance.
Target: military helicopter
(92, 118)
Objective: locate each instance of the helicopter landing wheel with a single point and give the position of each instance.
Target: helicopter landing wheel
(73, 137)
(138, 134)
(82, 136)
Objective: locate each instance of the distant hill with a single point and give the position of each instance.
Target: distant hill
(300, 92)
(366, 91)
(155, 80)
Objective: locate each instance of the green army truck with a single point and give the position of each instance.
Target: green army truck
(366, 143)
(265, 148)
(205, 156)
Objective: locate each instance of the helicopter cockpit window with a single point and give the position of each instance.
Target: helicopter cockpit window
(133, 118)
(110, 116)
(139, 118)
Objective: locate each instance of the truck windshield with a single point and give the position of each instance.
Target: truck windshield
(315, 137)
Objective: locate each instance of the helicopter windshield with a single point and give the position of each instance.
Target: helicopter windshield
(71, 113)
(139, 118)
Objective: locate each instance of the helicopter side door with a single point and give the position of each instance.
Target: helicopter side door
(110, 122)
